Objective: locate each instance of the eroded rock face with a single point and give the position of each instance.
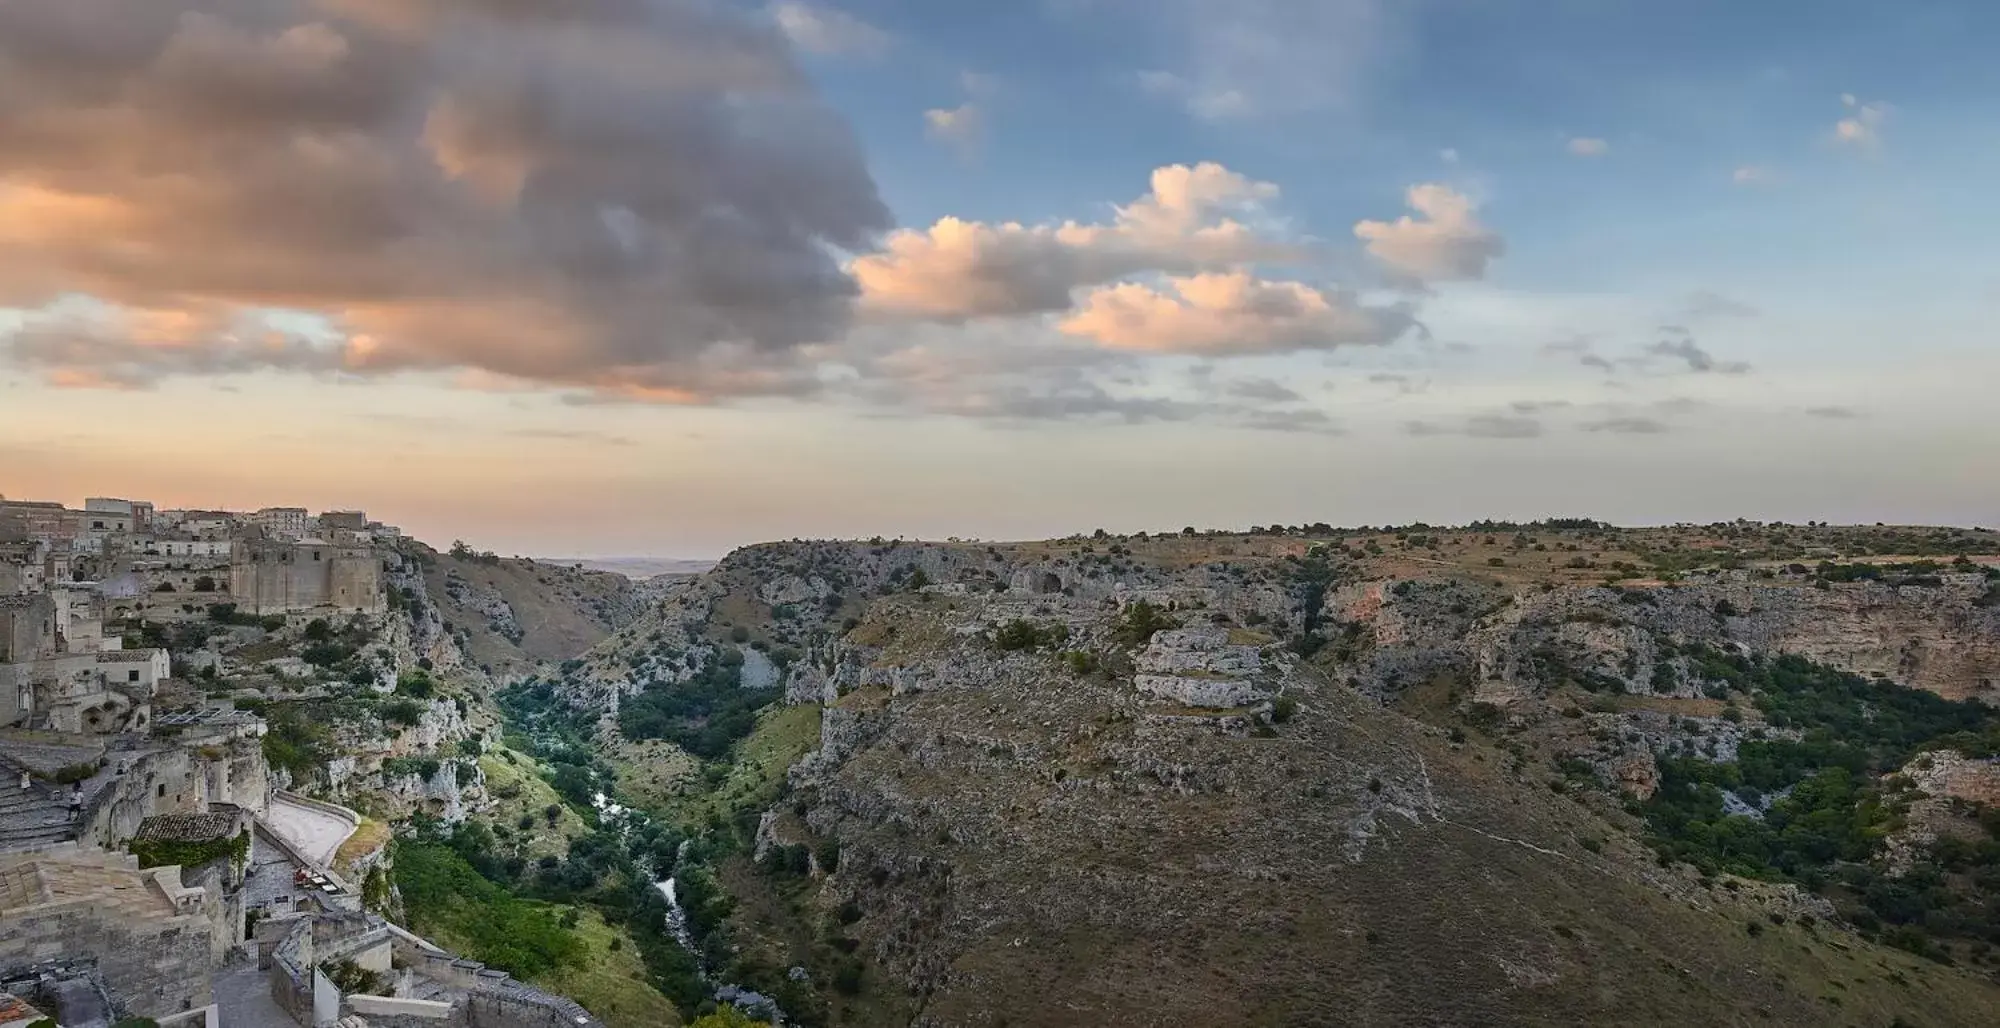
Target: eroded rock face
(1000, 817)
(455, 789)
(1941, 784)
(1932, 637)
(1200, 667)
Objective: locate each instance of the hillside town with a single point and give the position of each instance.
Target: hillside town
(153, 863)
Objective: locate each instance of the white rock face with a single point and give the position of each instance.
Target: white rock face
(1200, 667)
(758, 671)
(793, 589)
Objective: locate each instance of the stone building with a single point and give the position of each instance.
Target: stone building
(34, 519)
(277, 577)
(23, 567)
(200, 524)
(138, 512)
(144, 935)
(349, 520)
(187, 546)
(27, 628)
(287, 523)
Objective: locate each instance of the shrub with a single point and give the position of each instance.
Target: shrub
(415, 684)
(406, 713)
(442, 891)
(1283, 709)
(1138, 623)
(1020, 634)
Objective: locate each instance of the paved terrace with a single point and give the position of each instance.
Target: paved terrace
(315, 833)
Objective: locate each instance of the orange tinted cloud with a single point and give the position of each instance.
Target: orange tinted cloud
(1231, 313)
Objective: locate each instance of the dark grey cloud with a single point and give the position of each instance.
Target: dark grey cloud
(1538, 406)
(1696, 358)
(1704, 305)
(1581, 349)
(1310, 422)
(1073, 401)
(597, 193)
(1265, 390)
(1406, 384)
(1628, 426)
(1479, 426)
(1834, 413)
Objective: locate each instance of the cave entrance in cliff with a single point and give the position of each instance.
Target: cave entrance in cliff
(1048, 583)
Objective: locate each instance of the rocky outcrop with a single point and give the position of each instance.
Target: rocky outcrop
(1200, 667)
(1943, 786)
(1938, 638)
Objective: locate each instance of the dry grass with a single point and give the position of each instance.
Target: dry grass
(612, 980)
(369, 837)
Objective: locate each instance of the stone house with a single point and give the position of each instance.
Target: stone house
(278, 576)
(287, 523)
(147, 936)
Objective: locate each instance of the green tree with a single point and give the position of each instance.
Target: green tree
(727, 1016)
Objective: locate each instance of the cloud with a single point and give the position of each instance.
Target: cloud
(962, 127)
(1264, 390)
(1231, 313)
(1205, 103)
(1073, 401)
(1480, 426)
(1863, 125)
(1704, 305)
(1538, 406)
(1628, 426)
(978, 84)
(1405, 384)
(1587, 146)
(1195, 217)
(1753, 175)
(1834, 413)
(1447, 243)
(1234, 59)
(1448, 155)
(91, 346)
(1304, 421)
(1581, 349)
(823, 30)
(569, 435)
(637, 198)
(1697, 359)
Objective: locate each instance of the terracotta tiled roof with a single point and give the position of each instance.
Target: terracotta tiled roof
(186, 827)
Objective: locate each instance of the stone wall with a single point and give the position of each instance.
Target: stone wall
(151, 965)
(276, 578)
(492, 999)
(172, 780)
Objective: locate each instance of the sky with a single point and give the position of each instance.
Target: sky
(664, 277)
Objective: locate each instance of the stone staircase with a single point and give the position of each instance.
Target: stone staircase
(33, 817)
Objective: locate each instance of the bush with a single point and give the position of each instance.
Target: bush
(415, 684)
(1283, 709)
(1020, 634)
(442, 891)
(402, 712)
(1137, 624)
(704, 715)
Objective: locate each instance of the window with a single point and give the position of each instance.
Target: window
(315, 554)
(132, 675)
(163, 791)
